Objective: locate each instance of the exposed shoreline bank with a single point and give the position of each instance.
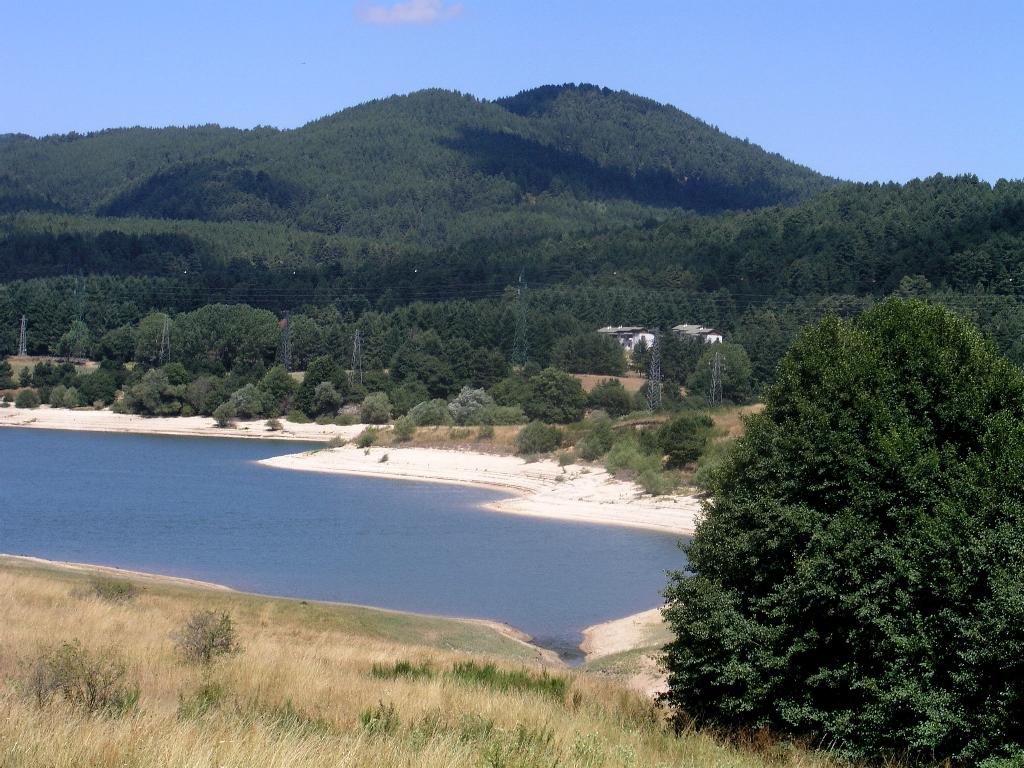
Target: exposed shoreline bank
(600, 640)
(540, 489)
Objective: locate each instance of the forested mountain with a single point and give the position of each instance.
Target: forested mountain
(434, 167)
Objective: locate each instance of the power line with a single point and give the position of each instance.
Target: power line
(520, 345)
(357, 356)
(23, 338)
(165, 342)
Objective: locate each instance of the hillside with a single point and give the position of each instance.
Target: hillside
(314, 684)
(433, 167)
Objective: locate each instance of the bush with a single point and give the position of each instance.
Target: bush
(657, 483)
(485, 432)
(627, 459)
(501, 415)
(249, 402)
(432, 413)
(326, 400)
(93, 681)
(517, 680)
(376, 409)
(206, 636)
(610, 396)
(856, 579)
(367, 437)
(537, 437)
(598, 439)
(274, 425)
(468, 405)
(404, 429)
(27, 398)
(555, 397)
(113, 590)
(297, 417)
(683, 439)
(224, 414)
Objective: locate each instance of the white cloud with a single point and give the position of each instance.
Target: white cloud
(410, 12)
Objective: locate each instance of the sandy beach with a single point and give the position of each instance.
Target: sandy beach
(542, 488)
(84, 420)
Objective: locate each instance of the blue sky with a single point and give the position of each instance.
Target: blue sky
(861, 90)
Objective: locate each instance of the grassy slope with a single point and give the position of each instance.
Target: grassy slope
(318, 658)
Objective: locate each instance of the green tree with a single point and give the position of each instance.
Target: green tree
(76, 342)
(326, 400)
(611, 397)
(857, 577)
(555, 397)
(6, 375)
(27, 398)
(278, 386)
(589, 353)
(375, 409)
(683, 439)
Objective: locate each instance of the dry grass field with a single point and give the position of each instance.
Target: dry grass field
(313, 685)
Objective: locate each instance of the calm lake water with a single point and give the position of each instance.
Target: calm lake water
(201, 508)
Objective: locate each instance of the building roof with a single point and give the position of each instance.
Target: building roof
(693, 330)
(623, 329)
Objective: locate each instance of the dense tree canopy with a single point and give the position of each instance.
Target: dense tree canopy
(857, 578)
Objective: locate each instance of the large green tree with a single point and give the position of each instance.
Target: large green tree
(858, 578)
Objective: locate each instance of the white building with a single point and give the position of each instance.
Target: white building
(707, 335)
(628, 335)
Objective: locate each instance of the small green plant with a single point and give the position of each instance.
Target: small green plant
(206, 699)
(93, 681)
(383, 459)
(368, 437)
(565, 458)
(404, 429)
(486, 432)
(274, 425)
(113, 590)
(381, 720)
(207, 635)
(336, 442)
(297, 417)
(510, 680)
(402, 669)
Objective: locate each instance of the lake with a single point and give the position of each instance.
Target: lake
(203, 509)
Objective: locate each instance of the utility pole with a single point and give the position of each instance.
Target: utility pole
(520, 346)
(357, 356)
(286, 342)
(23, 338)
(654, 374)
(165, 342)
(715, 398)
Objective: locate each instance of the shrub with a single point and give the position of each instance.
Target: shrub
(404, 429)
(501, 415)
(555, 397)
(432, 413)
(93, 681)
(207, 698)
(657, 483)
(626, 458)
(610, 396)
(486, 432)
(27, 398)
(224, 414)
(274, 425)
(56, 396)
(376, 408)
(566, 458)
(537, 437)
(113, 590)
(367, 437)
(683, 439)
(337, 442)
(326, 400)
(598, 440)
(468, 405)
(381, 720)
(297, 417)
(249, 402)
(206, 636)
(856, 579)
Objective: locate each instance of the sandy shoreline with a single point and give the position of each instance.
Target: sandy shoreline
(541, 489)
(45, 417)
